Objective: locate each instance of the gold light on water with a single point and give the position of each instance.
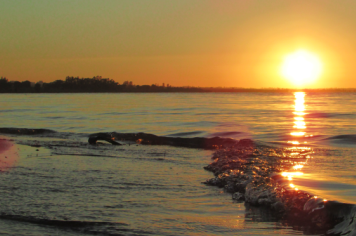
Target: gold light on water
(299, 113)
(290, 175)
(299, 125)
(299, 96)
(297, 133)
(299, 101)
(298, 153)
(296, 167)
(286, 174)
(299, 118)
(299, 108)
(300, 148)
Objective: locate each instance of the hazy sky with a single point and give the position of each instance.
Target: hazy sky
(229, 43)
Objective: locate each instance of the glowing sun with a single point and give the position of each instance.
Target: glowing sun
(301, 67)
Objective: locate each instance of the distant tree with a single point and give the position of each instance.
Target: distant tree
(26, 84)
(3, 80)
(16, 86)
(38, 87)
(4, 85)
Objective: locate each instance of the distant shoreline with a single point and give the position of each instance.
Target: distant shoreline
(193, 90)
(105, 85)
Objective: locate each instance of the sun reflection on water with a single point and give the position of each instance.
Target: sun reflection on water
(299, 108)
(298, 153)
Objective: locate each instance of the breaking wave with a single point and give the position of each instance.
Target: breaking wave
(88, 227)
(346, 138)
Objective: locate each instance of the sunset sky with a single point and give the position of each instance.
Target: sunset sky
(228, 43)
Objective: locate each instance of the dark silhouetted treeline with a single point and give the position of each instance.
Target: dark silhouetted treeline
(98, 84)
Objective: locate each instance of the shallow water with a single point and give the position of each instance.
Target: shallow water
(131, 190)
(157, 190)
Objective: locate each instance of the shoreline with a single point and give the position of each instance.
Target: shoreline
(198, 90)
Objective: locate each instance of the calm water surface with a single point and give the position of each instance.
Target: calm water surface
(157, 190)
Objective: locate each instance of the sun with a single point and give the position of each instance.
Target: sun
(301, 67)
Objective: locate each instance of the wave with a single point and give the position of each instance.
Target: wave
(25, 131)
(345, 138)
(326, 115)
(231, 134)
(151, 139)
(182, 134)
(258, 175)
(88, 227)
(114, 113)
(61, 223)
(92, 227)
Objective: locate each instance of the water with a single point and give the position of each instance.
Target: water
(62, 186)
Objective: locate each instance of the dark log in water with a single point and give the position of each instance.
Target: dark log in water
(151, 139)
(253, 173)
(93, 139)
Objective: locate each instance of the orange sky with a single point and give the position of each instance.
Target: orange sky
(228, 43)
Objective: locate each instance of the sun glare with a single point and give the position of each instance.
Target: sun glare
(301, 67)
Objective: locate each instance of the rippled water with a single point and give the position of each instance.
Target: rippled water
(157, 190)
